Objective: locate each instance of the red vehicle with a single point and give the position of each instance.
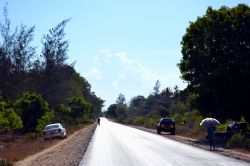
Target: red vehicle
(166, 125)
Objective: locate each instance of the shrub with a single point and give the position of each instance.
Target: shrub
(139, 120)
(236, 141)
(150, 122)
(31, 137)
(31, 107)
(80, 109)
(177, 118)
(222, 127)
(43, 121)
(9, 120)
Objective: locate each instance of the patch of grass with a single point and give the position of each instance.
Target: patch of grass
(236, 141)
(31, 137)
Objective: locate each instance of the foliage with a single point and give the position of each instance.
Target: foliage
(121, 99)
(145, 121)
(31, 107)
(80, 109)
(9, 120)
(21, 70)
(31, 136)
(44, 120)
(157, 87)
(216, 61)
(111, 112)
(236, 141)
(222, 127)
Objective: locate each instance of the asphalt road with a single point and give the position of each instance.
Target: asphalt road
(117, 145)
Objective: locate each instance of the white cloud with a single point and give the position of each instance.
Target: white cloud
(94, 73)
(133, 67)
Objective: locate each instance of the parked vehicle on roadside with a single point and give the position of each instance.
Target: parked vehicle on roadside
(236, 127)
(166, 125)
(54, 130)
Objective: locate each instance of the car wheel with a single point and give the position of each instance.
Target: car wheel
(158, 131)
(173, 133)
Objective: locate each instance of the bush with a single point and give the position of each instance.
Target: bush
(31, 107)
(31, 137)
(9, 120)
(222, 127)
(177, 118)
(80, 109)
(43, 121)
(150, 122)
(236, 141)
(139, 120)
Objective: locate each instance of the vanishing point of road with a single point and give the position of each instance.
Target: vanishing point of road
(118, 145)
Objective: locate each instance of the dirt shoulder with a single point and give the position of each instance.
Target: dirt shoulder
(68, 152)
(240, 155)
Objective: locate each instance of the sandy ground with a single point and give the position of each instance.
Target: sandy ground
(240, 155)
(68, 152)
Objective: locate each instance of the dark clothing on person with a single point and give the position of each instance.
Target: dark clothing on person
(210, 133)
(98, 121)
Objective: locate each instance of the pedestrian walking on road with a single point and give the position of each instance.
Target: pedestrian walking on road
(210, 134)
(98, 121)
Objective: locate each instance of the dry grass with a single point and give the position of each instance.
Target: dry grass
(21, 147)
(191, 132)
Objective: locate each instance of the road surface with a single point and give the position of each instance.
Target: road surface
(118, 145)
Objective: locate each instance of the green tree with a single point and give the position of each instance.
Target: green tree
(23, 52)
(31, 107)
(44, 120)
(54, 54)
(80, 109)
(121, 99)
(157, 87)
(111, 112)
(9, 120)
(216, 61)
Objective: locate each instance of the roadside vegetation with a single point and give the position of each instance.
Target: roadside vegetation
(216, 65)
(39, 88)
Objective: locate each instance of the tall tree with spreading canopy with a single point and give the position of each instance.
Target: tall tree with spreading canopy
(54, 53)
(216, 61)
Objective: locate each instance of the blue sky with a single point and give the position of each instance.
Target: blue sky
(121, 46)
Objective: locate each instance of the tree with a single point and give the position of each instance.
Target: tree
(157, 87)
(9, 120)
(31, 107)
(137, 105)
(54, 53)
(80, 109)
(6, 51)
(121, 99)
(44, 120)
(216, 61)
(21, 58)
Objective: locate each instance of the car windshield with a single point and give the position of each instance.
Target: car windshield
(51, 127)
(167, 121)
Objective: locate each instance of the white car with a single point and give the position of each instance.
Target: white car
(54, 130)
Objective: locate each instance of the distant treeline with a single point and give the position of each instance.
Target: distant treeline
(38, 88)
(216, 66)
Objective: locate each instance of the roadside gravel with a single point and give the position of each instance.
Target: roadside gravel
(68, 152)
(202, 144)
